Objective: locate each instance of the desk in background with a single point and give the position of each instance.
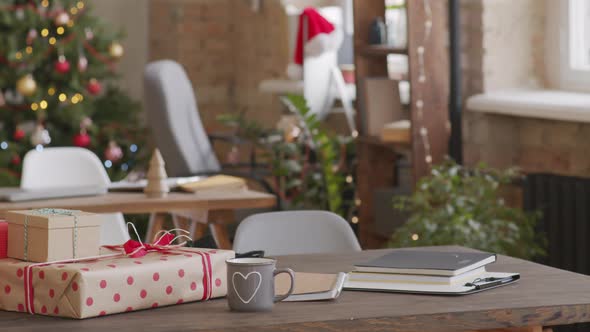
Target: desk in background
(218, 205)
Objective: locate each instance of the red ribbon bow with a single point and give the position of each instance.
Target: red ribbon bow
(136, 249)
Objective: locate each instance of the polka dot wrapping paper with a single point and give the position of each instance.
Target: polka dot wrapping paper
(3, 238)
(91, 288)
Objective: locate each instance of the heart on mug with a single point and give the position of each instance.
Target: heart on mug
(246, 285)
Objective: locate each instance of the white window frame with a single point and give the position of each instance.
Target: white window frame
(564, 67)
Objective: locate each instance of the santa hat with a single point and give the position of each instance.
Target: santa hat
(322, 36)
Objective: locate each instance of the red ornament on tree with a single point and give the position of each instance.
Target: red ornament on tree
(15, 160)
(113, 152)
(18, 134)
(81, 139)
(94, 87)
(62, 65)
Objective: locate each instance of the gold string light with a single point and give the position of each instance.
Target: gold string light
(34, 106)
(421, 51)
(62, 97)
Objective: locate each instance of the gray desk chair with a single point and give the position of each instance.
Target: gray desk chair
(295, 232)
(173, 115)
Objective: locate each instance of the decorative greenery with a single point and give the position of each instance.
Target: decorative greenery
(310, 171)
(458, 206)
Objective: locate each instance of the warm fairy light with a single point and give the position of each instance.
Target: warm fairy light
(349, 179)
(79, 97)
(74, 10)
(62, 97)
(355, 220)
(29, 50)
(75, 99)
(355, 134)
(34, 106)
(45, 32)
(60, 30)
(45, 3)
(52, 41)
(80, 5)
(51, 91)
(43, 104)
(415, 237)
(70, 23)
(18, 55)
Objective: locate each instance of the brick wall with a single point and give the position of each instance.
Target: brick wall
(503, 47)
(227, 49)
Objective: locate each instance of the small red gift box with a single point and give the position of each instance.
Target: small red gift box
(113, 284)
(3, 239)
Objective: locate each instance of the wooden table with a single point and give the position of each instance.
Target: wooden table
(220, 206)
(543, 297)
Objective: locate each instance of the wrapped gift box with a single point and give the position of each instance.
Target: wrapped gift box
(47, 235)
(3, 239)
(116, 284)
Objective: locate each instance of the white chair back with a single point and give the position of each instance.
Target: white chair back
(72, 167)
(173, 115)
(295, 232)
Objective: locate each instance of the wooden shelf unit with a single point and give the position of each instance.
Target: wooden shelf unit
(380, 50)
(377, 159)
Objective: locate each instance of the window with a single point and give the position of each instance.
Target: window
(573, 26)
(579, 35)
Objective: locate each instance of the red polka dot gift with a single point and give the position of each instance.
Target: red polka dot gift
(134, 276)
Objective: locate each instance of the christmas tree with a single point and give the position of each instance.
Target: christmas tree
(57, 86)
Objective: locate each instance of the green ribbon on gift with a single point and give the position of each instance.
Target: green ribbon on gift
(52, 212)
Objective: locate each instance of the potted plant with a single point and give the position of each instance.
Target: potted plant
(460, 206)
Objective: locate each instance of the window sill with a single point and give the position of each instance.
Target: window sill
(540, 104)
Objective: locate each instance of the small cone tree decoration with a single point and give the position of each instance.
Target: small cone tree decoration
(156, 177)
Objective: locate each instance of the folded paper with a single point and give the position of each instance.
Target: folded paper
(113, 284)
(45, 235)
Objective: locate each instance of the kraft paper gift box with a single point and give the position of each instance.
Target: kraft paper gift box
(47, 235)
(113, 284)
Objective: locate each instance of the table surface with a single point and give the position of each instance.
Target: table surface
(544, 296)
(127, 202)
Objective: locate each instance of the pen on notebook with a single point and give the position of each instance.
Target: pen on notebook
(483, 283)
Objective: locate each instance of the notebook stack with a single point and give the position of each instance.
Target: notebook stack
(417, 271)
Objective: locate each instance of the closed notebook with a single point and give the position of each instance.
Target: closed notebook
(214, 183)
(311, 286)
(436, 263)
(372, 277)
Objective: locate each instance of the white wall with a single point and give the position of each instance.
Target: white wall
(514, 41)
(132, 17)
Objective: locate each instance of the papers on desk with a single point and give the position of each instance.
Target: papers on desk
(139, 185)
(193, 184)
